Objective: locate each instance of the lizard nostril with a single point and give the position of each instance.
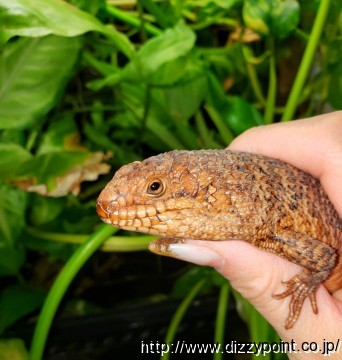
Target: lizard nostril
(106, 208)
(101, 212)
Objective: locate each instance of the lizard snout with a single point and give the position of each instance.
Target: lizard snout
(102, 210)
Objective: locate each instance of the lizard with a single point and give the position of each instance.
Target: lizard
(229, 195)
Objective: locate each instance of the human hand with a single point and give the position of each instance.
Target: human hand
(315, 146)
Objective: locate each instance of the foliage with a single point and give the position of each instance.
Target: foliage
(87, 84)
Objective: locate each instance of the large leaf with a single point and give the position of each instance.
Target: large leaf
(46, 168)
(184, 101)
(40, 17)
(45, 209)
(12, 220)
(12, 156)
(167, 49)
(240, 115)
(235, 112)
(277, 18)
(32, 74)
(12, 214)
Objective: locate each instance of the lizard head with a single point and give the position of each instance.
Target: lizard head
(152, 196)
(179, 194)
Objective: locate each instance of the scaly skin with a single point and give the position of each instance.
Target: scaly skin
(223, 195)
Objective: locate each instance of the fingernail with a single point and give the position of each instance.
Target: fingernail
(196, 254)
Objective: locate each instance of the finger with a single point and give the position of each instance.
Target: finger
(314, 145)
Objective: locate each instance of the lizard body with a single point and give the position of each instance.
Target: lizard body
(223, 195)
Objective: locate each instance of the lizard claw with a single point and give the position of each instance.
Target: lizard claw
(300, 287)
(161, 246)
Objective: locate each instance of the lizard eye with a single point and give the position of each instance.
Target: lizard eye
(155, 187)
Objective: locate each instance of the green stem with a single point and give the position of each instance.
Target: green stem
(66, 276)
(130, 20)
(302, 35)
(307, 60)
(94, 62)
(221, 318)
(177, 5)
(143, 35)
(272, 86)
(207, 141)
(177, 317)
(252, 74)
(223, 129)
(147, 106)
(113, 244)
(215, 21)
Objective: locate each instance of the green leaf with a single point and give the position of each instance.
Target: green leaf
(12, 214)
(240, 115)
(183, 101)
(11, 259)
(12, 221)
(33, 72)
(61, 135)
(169, 73)
(89, 6)
(166, 48)
(46, 167)
(277, 18)
(159, 121)
(18, 301)
(45, 209)
(12, 156)
(13, 349)
(235, 112)
(40, 17)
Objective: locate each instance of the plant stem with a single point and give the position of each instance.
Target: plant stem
(223, 129)
(253, 77)
(147, 106)
(66, 276)
(113, 244)
(272, 86)
(206, 140)
(143, 35)
(221, 318)
(177, 317)
(302, 35)
(130, 20)
(307, 60)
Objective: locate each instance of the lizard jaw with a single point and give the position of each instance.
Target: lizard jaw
(139, 218)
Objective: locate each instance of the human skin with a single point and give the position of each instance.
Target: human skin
(315, 146)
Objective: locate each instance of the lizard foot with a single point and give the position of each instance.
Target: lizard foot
(300, 287)
(161, 246)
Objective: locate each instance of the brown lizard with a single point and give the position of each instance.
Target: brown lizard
(223, 195)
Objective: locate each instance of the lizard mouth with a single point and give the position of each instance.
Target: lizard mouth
(140, 218)
(116, 212)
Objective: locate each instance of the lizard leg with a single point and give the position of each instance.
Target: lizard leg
(317, 258)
